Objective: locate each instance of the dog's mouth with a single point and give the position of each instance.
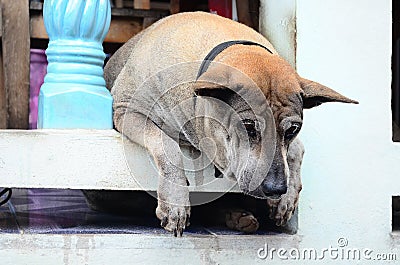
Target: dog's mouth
(261, 195)
(273, 196)
(258, 193)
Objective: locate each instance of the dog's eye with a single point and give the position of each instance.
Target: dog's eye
(292, 131)
(250, 126)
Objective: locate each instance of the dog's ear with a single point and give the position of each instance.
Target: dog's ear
(314, 94)
(207, 89)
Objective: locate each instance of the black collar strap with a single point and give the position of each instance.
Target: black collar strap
(219, 48)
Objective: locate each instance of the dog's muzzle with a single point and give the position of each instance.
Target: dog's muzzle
(273, 190)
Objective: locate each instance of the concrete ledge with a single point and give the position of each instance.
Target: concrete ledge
(87, 159)
(143, 249)
(395, 235)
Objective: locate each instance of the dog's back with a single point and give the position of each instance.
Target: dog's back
(172, 41)
(184, 37)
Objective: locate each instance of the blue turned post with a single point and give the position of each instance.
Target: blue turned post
(74, 94)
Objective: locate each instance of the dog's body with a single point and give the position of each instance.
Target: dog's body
(156, 90)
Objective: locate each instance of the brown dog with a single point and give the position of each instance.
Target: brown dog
(245, 98)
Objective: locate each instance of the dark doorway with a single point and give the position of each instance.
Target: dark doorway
(396, 70)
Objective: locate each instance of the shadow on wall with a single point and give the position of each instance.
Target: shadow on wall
(396, 71)
(396, 213)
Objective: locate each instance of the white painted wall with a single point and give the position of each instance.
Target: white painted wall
(351, 167)
(278, 25)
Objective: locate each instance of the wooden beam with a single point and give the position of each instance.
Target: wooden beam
(126, 12)
(1, 18)
(37, 28)
(243, 12)
(3, 98)
(141, 4)
(175, 6)
(16, 52)
(37, 7)
(87, 159)
(125, 23)
(122, 29)
(119, 3)
(3, 95)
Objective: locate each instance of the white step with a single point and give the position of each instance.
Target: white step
(87, 159)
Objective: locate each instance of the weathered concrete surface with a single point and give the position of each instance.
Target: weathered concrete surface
(87, 159)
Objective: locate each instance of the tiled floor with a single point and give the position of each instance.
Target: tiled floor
(44, 211)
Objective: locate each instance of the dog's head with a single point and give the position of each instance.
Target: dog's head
(268, 97)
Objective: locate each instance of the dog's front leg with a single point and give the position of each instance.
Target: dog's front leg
(281, 210)
(173, 208)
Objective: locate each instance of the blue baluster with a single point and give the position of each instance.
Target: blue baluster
(74, 94)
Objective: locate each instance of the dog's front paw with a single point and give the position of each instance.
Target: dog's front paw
(242, 221)
(281, 210)
(174, 218)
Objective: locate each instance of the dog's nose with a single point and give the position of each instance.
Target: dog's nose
(272, 189)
